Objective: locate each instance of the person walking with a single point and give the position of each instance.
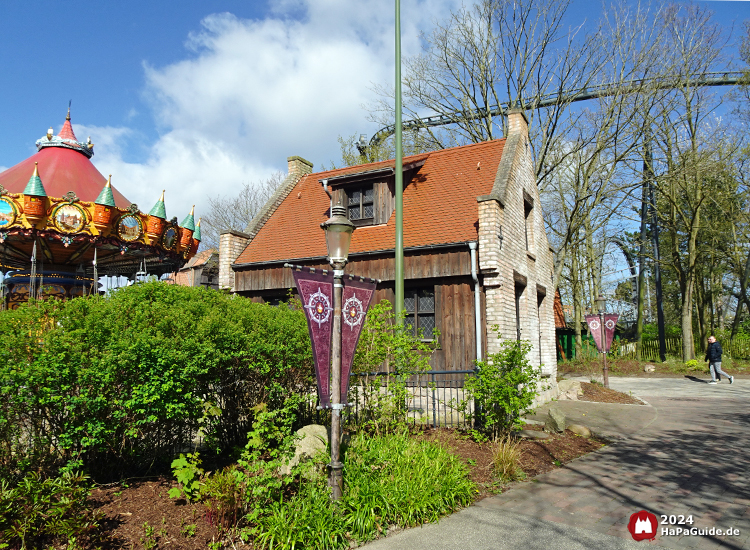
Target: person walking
(713, 356)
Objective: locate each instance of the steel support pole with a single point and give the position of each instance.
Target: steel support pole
(335, 479)
(605, 370)
(399, 173)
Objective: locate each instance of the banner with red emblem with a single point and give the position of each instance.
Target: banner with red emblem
(595, 329)
(356, 299)
(315, 288)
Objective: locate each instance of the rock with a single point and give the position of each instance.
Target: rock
(569, 390)
(579, 429)
(314, 439)
(649, 368)
(555, 421)
(532, 434)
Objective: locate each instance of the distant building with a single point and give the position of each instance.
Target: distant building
(201, 270)
(476, 253)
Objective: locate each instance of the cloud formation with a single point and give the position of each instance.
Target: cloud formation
(250, 93)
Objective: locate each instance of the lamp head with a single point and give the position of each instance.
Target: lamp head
(601, 304)
(339, 231)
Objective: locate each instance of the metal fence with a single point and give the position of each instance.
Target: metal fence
(433, 398)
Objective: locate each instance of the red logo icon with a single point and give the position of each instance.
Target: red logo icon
(643, 525)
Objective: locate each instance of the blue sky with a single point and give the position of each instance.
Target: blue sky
(199, 97)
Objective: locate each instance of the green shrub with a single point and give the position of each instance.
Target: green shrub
(389, 480)
(503, 389)
(386, 357)
(128, 378)
(39, 512)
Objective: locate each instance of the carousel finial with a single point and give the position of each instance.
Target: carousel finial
(35, 188)
(197, 232)
(69, 104)
(105, 197)
(159, 211)
(189, 221)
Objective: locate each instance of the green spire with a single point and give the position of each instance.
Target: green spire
(35, 188)
(158, 210)
(189, 221)
(106, 198)
(197, 233)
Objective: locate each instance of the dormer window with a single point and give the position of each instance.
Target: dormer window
(361, 204)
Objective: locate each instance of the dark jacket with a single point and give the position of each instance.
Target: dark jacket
(713, 353)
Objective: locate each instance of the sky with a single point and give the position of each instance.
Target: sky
(199, 97)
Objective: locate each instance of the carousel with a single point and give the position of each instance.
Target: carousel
(63, 225)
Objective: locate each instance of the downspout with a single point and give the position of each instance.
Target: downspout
(325, 188)
(477, 300)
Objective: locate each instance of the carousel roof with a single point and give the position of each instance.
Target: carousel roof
(64, 165)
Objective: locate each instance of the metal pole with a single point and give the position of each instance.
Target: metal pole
(399, 263)
(335, 479)
(604, 350)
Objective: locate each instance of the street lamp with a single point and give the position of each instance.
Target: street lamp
(601, 306)
(338, 238)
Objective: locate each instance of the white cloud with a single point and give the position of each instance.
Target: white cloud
(252, 92)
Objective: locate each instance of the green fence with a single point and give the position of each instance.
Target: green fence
(739, 348)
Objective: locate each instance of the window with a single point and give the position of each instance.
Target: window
(360, 203)
(519, 293)
(419, 305)
(528, 208)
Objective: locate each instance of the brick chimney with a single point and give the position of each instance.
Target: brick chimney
(517, 122)
(298, 166)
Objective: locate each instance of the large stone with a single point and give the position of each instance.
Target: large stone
(314, 439)
(532, 434)
(580, 429)
(569, 390)
(555, 421)
(649, 368)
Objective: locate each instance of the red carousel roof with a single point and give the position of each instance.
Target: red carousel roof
(64, 165)
(61, 170)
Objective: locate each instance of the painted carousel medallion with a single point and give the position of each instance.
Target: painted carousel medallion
(69, 218)
(129, 228)
(170, 238)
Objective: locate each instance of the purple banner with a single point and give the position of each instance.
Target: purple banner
(315, 287)
(595, 329)
(357, 295)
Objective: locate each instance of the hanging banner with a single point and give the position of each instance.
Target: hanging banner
(356, 299)
(315, 288)
(595, 329)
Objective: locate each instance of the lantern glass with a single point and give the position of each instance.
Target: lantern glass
(338, 235)
(601, 304)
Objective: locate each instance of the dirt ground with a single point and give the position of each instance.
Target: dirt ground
(600, 394)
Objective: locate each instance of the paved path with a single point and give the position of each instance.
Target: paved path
(691, 458)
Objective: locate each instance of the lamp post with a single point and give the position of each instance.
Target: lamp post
(601, 306)
(338, 238)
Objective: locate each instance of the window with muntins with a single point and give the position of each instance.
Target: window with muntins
(419, 305)
(361, 204)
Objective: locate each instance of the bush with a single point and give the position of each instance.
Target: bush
(39, 512)
(503, 389)
(389, 480)
(128, 378)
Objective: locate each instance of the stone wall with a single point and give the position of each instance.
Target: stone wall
(508, 266)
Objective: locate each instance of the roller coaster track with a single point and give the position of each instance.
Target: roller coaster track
(728, 78)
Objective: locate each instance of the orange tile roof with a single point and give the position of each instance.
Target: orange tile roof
(440, 207)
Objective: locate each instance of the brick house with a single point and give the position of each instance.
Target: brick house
(475, 250)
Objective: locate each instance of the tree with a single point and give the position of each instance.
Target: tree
(236, 212)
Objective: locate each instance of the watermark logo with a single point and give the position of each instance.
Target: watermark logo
(643, 525)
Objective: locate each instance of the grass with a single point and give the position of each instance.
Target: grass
(391, 481)
(505, 459)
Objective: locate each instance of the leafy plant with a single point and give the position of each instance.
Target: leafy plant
(386, 357)
(148, 541)
(503, 389)
(188, 472)
(188, 530)
(39, 512)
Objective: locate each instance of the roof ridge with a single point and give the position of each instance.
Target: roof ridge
(281, 193)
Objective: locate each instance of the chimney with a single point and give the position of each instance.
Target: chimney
(517, 122)
(298, 166)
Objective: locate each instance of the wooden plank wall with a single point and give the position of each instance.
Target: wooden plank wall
(422, 265)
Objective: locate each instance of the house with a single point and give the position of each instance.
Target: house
(475, 250)
(201, 270)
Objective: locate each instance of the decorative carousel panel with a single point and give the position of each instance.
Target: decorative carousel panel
(69, 218)
(169, 239)
(129, 228)
(8, 213)
(53, 291)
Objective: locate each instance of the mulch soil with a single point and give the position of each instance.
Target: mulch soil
(178, 524)
(600, 394)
